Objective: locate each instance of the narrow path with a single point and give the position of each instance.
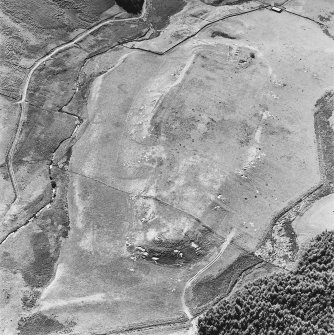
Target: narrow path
(206, 267)
(23, 102)
(24, 105)
(192, 329)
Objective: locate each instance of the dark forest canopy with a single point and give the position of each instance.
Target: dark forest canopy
(131, 6)
(298, 303)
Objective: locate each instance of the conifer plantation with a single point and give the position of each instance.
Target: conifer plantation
(298, 303)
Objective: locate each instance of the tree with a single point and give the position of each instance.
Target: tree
(297, 303)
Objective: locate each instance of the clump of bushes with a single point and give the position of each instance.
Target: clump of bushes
(221, 34)
(298, 303)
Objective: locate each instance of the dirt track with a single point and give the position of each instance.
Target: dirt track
(201, 271)
(24, 103)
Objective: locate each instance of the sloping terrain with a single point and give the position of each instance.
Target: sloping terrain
(297, 303)
(156, 161)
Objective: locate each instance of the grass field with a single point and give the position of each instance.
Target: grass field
(178, 163)
(174, 152)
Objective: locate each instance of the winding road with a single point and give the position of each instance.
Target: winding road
(24, 103)
(22, 117)
(206, 267)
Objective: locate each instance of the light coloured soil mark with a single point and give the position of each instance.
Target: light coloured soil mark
(24, 103)
(56, 303)
(254, 151)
